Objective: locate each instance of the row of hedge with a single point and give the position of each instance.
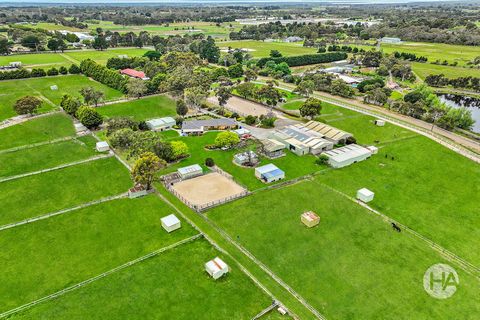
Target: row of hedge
(306, 59)
(102, 74)
(37, 73)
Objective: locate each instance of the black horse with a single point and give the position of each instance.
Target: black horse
(395, 227)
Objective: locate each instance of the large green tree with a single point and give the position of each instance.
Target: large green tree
(27, 105)
(311, 108)
(91, 95)
(145, 169)
(89, 117)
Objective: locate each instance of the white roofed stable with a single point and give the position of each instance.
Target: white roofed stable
(269, 173)
(170, 223)
(327, 132)
(190, 172)
(346, 155)
(301, 140)
(102, 146)
(161, 124)
(365, 195)
(216, 268)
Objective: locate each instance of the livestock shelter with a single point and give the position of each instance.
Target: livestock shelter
(171, 223)
(269, 173)
(198, 127)
(272, 148)
(328, 132)
(132, 73)
(310, 219)
(190, 172)
(347, 155)
(161, 124)
(365, 195)
(379, 122)
(102, 146)
(246, 158)
(302, 141)
(216, 268)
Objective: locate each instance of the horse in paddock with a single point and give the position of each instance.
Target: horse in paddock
(395, 227)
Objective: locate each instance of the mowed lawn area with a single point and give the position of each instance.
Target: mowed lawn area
(351, 266)
(60, 189)
(12, 90)
(141, 109)
(49, 255)
(425, 69)
(173, 284)
(46, 156)
(36, 130)
(293, 165)
(261, 49)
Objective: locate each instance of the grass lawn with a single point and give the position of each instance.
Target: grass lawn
(49, 255)
(141, 109)
(102, 56)
(37, 130)
(46, 156)
(12, 90)
(262, 49)
(293, 105)
(55, 190)
(293, 165)
(352, 266)
(171, 285)
(425, 69)
(37, 60)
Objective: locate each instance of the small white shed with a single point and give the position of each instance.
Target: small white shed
(102, 146)
(54, 87)
(161, 124)
(269, 173)
(170, 223)
(190, 172)
(216, 268)
(365, 195)
(379, 122)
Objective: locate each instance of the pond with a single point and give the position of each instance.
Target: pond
(470, 103)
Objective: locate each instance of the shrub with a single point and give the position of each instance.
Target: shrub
(27, 105)
(251, 120)
(209, 162)
(74, 69)
(89, 117)
(70, 104)
(62, 70)
(52, 72)
(322, 159)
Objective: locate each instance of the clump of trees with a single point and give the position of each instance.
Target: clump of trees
(145, 168)
(439, 80)
(103, 75)
(306, 59)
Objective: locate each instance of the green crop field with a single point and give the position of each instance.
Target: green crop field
(60, 189)
(46, 156)
(141, 109)
(350, 266)
(173, 284)
(12, 90)
(57, 252)
(37, 130)
(425, 69)
(262, 49)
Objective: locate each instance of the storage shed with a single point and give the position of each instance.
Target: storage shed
(246, 158)
(345, 156)
(190, 172)
(54, 87)
(216, 268)
(310, 219)
(102, 146)
(269, 173)
(273, 148)
(170, 223)
(379, 122)
(365, 195)
(161, 124)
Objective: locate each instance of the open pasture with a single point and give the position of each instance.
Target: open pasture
(49, 255)
(172, 284)
(141, 109)
(259, 49)
(425, 69)
(352, 265)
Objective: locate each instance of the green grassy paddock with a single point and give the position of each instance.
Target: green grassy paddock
(55, 190)
(141, 109)
(425, 69)
(49, 255)
(262, 49)
(46, 156)
(37, 130)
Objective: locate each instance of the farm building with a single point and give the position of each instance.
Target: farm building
(344, 156)
(327, 132)
(302, 141)
(365, 195)
(293, 39)
(200, 126)
(15, 64)
(170, 223)
(379, 122)
(216, 268)
(353, 81)
(390, 40)
(242, 133)
(161, 124)
(269, 173)
(132, 73)
(310, 219)
(102, 146)
(338, 69)
(272, 148)
(137, 191)
(190, 172)
(246, 158)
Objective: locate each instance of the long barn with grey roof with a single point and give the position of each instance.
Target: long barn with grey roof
(200, 126)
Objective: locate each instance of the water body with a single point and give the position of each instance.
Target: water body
(457, 101)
